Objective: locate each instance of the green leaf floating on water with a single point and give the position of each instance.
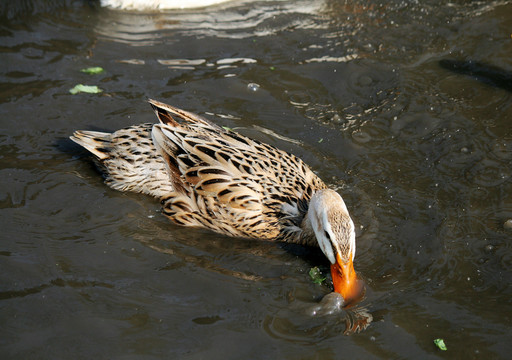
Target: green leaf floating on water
(440, 344)
(92, 70)
(90, 89)
(316, 275)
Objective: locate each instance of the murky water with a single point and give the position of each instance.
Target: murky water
(403, 106)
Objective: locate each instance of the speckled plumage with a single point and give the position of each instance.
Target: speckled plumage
(128, 159)
(207, 176)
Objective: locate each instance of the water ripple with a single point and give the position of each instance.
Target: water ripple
(237, 20)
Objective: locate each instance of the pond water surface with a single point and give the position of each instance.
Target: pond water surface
(403, 106)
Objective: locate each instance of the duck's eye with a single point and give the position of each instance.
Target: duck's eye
(327, 235)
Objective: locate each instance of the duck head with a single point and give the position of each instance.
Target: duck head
(334, 230)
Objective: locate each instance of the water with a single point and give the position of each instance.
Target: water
(402, 106)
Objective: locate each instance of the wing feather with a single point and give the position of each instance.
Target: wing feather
(237, 184)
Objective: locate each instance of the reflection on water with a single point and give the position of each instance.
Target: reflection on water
(356, 317)
(310, 324)
(389, 102)
(235, 20)
(158, 4)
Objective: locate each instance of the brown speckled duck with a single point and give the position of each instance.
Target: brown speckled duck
(210, 177)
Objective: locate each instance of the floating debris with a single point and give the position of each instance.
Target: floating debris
(316, 275)
(90, 89)
(440, 344)
(93, 70)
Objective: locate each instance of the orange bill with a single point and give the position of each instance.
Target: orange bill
(344, 279)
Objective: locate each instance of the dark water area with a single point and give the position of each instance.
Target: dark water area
(403, 106)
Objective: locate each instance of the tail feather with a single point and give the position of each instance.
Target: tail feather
(98, 143)
(164, 113)
(128, 159)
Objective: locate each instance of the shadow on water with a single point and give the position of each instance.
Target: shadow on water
(485, 73)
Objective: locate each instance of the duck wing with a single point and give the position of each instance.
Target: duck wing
(228, 182)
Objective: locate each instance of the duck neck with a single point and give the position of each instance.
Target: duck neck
(311, 221)
(308, 235)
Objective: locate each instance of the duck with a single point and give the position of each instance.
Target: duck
(158, 4)
(212, 177)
